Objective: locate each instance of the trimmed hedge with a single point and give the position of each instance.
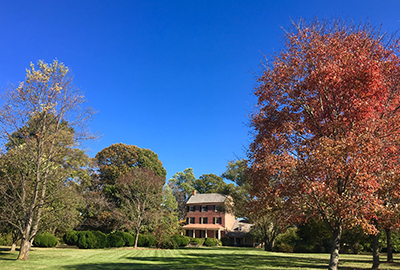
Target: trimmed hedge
(45, 240)
(212, 242)
(168, 243)
(226, 241)
(127, 237)
(115, 240)
(197, 241)
(5, 239)
(86, 239)
(146, 240)
(71, 238)
(181, 240)
(101, 237)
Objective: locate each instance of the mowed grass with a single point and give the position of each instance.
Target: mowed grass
(187, 258)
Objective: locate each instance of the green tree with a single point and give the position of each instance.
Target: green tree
(166, 222)
(34, 165)
(182, 185)
(140, 192)
(120, 158)
(211, 183)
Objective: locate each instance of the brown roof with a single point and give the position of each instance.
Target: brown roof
(240, 228)
(203, 226)
(206, 198)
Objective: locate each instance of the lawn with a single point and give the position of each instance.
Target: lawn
(188, 258)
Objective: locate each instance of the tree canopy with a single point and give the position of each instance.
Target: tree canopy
(42, 121)
(327, 125)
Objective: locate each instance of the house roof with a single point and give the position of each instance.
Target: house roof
(240, 228)
(206, 198)
(203, 226)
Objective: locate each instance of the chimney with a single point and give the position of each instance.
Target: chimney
(193, 192)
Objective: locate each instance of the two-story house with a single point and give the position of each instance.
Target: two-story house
(204, 218)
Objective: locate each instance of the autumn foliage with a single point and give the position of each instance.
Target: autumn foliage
(327, 126)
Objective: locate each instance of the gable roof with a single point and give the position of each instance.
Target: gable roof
(206, 198)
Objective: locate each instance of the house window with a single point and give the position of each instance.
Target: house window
(189, 233)
(203, 220)
(192, 208)
(214, 207)
(204, 208)
(217, 220)
(190, 220)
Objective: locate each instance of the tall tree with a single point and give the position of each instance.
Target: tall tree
(211, 183)
(140, 191)
(327, 112)
(41, 111)
(182, 185)
(120, 158)
(112, 162)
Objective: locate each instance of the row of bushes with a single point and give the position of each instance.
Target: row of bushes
(97, 239)
(313, 237)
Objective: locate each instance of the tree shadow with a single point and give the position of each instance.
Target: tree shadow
(5, 254)
(211, 261)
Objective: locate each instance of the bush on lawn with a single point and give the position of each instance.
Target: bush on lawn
(226, 241)
(45, 240)
(146, 240)
(212, 242)
(197, 241)
(5, 239)
(71, 238)
(181, 240)
(168, 242)
(127, 237)
(86, 239)
(285, 242)
(101, 239)
(115, 240)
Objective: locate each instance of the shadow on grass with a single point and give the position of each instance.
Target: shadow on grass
(209, 260)
(7, 255)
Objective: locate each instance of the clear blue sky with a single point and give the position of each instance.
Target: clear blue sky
(172, 76)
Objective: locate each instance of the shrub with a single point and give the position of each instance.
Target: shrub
(127, 237)
(285, 242)
(71, 237)
(169, 243)
(115, 240)
(101, 239)
(146, 240)
(45, 240)
(86, 239)
(5, 239)
(181, 240)
(197, 241)
(284, 247)
(226, 241)
(212, 242)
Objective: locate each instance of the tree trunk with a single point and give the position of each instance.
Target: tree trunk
(136, 238)
(336, 237)
(24, 250)
(13, 247)
(389, 245)
(375, 247)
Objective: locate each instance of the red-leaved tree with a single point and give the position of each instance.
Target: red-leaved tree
(326, 118)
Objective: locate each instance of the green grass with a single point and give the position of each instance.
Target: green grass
(188, 258)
